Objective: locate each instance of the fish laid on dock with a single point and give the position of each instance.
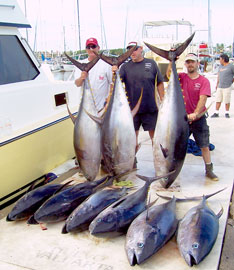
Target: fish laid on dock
(32, 200)
(60, 206)
(85, 213)
(118, 216)
(153, 228)
(197, 233)
(150, 231)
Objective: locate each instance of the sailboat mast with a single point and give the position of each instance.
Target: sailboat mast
(209, 29)
(78, 17)
(103, 33)
(125, 32)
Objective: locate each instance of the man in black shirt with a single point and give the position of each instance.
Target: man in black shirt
(137, 74)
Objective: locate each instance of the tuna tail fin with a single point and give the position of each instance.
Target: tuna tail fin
(152, 179)
(116, 61)
(136, 108)
(172, 54)
(83, 66)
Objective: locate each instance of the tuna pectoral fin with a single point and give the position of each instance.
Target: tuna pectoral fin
(98, 120)
(73, 118)
(164, 151)
(196, 198)
(32, 186)
(63, 186)
(148, 207)
(136, 108)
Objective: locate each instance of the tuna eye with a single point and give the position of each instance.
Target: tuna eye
(109, 218)
(71, 217)
(140, 245)
(195, 245)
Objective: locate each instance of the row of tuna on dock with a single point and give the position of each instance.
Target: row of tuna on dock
(105, 209)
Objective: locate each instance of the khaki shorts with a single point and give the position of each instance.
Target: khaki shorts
(223, 95)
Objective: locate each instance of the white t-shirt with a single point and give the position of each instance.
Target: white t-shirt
(100, 77)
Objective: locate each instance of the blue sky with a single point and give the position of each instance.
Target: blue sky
(56, 19)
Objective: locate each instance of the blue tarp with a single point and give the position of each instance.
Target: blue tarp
(195, 150)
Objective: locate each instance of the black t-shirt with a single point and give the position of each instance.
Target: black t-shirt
(138, 75)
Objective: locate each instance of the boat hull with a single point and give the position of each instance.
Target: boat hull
(35, 153)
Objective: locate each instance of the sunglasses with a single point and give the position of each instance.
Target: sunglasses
(91, 47)
(137, 47)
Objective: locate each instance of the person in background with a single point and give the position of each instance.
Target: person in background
(196, 89)
(100, 76)
(223, 86)
(137, 74)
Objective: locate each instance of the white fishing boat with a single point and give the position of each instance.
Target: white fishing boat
(36, 134)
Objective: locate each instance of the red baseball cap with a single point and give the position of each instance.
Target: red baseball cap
(91, 41)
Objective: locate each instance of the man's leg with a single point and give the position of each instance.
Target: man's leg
(219, 99)
(217, 107)
(208, 165)
(151, 134)
(201, 134)
(227, 100)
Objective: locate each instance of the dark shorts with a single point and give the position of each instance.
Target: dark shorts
(200, 131)
(146, 120)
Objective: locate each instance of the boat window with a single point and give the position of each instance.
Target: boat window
(60, 99)
(15, 64)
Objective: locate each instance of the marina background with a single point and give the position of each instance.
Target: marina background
(55, 22)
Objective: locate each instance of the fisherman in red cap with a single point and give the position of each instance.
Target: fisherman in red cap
(100, 76)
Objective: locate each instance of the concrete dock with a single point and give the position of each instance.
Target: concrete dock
(28, 247)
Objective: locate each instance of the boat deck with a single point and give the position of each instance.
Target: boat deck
(29, 247)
